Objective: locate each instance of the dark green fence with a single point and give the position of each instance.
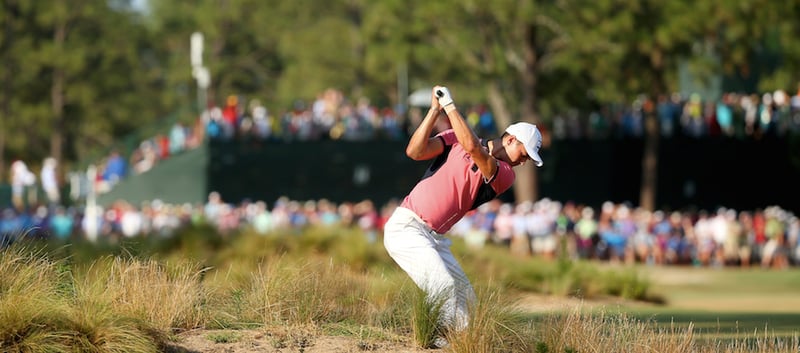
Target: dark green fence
(338, 171)
(704, 173)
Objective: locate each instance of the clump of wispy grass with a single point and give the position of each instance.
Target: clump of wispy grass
(31, 302)
(161, 298)
(392, 297)
(496, 324)
(425, 319)
(95, 327)
(309, 292)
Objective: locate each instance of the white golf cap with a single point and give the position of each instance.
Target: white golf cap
(530, 137)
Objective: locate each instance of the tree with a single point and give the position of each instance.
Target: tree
(640, 44)
(10, 48)
(241, 48)
(505, 46)
(75, 80)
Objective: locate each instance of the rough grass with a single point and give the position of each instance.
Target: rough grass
(311, 292)
(163, 297)
(332, 282)
(496, 324)
(580, 331)
(425, 318)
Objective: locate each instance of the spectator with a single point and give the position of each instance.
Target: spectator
(213, 207)
(144, 158)
(130, 221)
(230, 113)
(725, 115)
(692, 119)
(262, 222)
(177, 138)
(115, 168)
(773, 253)
(793, 239)
(586, 230)
(50, 181)
(213, 120)
(262, 122)
(61, 224)
(11, 226)
(21, 180)
(504, 225)
(666, 110)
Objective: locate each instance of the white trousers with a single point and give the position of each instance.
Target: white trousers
(426, 257)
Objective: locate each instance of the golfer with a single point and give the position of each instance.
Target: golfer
(465, 173)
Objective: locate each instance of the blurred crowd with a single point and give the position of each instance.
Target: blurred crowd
(734, 115)
(332, 116)
(614, 232)
(620, 233)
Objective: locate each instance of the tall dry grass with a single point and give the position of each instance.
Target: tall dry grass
(581, 330)
(162, 297)
(312, 292)
(32, 302)
(497, 324)
(116, 305)
(99, 328)
(426, 312)
(125, 304)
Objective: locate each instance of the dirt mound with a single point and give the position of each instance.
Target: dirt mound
(251, 341)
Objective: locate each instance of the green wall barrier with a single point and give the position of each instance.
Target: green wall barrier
(179, 179)
(335, 170)
(704, 173)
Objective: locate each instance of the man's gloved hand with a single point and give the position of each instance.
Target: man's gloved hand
(443, 94)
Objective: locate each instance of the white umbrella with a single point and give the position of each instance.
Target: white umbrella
(420, 97)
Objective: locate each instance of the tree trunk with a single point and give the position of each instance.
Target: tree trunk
(5, 81)
(502, 116)
(57, 97)
(525, 182)
(649, 187)
(526, 187)
(4, 113)
(647, 193)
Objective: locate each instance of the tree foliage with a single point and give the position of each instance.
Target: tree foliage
(78, 75)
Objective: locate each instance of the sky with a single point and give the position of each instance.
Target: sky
(140, 5)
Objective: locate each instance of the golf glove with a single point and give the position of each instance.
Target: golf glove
(443, 95)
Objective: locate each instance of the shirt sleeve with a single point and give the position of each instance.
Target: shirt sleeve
(448, 136)
(503, 178)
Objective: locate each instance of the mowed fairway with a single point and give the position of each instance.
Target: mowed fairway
(727, 302)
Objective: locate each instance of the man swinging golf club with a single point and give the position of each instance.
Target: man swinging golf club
(465, 173)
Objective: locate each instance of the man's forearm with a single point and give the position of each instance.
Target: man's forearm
(466, 137)
(419, 140)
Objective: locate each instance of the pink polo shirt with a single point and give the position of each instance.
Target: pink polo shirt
(453, 185)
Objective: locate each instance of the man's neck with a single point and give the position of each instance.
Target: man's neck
(494, 146)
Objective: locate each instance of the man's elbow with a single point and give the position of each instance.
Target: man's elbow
(413, 154)
(472, 148)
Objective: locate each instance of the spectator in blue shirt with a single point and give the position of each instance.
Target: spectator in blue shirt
(115, 168)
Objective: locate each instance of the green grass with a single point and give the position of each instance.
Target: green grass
(224, 337)
(722, 303)
(725, 324)
(729, 289)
